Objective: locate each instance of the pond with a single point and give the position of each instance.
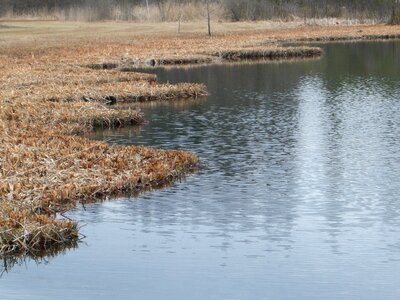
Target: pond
(298, 196)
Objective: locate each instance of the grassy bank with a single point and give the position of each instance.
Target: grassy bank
(56, 84)
(268, 53)
(45, 168)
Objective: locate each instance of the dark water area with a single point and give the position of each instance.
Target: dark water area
(298, 197)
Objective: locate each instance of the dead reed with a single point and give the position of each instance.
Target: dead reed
(355, 37)
(269, 53)
(27, 232)
(173, 61)
(127, 92)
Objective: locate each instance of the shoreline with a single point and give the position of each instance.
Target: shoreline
(51, 93)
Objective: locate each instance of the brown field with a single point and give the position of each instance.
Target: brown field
(55, 81)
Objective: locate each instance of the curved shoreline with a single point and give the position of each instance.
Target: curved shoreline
(45, 101)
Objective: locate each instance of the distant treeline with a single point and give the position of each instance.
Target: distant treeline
(172, 10)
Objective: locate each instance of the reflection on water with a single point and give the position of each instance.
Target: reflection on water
(7, 263)
(298, 198)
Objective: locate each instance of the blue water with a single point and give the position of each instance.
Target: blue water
(297, 198)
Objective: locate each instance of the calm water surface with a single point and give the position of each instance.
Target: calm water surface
(298, 198)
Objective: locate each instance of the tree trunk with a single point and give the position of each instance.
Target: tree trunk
(179, 22)
(208, 18)
(148, 10)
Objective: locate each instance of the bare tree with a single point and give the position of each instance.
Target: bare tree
(234, 10)
(208, 17)
(395, 18)
(148, 9)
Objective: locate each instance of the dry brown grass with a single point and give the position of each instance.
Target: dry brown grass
(45, 168)
(268, 53)
(127, 44)
(145, 37)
